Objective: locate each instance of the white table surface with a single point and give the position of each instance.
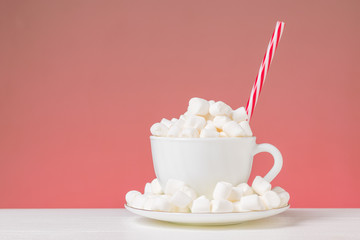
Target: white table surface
(107, 224)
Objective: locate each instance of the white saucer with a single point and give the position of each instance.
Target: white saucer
(206, 218)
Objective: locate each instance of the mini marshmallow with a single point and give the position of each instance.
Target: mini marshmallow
(222, 190)
(130, 196)
(195, 122)
(172, 186)
(246, 127)
(158, 129)
(181, 210)
(209, 133)
(251, 202)
(162, 204)
(221, 206)
(200, 205)
(211, 102)
(149, 202)
(166, 122)
(138, 202)
(270, 200)
(260, 185)
(219, 121)
(240, 115)
(156, 187)
(180, 199)
(245, 188)
(179, 123)
(284, 196)
(198, 106)
(174, 120)
(220, 109)
(147, 189)
(189, 133)
(174, 131)
(235, 194)
(223, 134)
(189, 191)
(233, 129)
(238, 207)
(210, 125)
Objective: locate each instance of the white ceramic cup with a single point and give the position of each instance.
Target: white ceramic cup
(202, 162)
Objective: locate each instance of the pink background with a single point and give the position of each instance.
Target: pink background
(81, 82)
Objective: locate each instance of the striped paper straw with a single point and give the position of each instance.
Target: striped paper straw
(264, 68)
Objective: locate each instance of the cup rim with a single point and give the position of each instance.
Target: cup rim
(200, 139)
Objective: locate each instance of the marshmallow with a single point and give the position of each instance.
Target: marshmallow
(166, 122)
(147, 189)
(174, 131)
(179, 123)
(270, 200)
(180, 199)
(162, 204)
(245, 188)
(238, 207)
(209, 133)
(198, 106)
(251, 202)
(246, 127)
(181, 210)
(210, 125)
(284, 196)
(174, 120)
(222, 190)
(130, 196)
(260, 185)
(189, 191)
(189, 133)
(235, 194)
(156, 187)
(172, 186)
(240, 115)
(195, 122)
(211, 102)
(149, 202)
(200, 205)
(138, 202)
(223, 134)
(219, 121)
(220, 109)
(221, 206)
(158, 129)
(233, 129)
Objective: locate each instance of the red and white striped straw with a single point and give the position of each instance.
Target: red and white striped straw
(264, 68)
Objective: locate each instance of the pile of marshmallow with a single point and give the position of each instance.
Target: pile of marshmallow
(178, 197)
(205, 119)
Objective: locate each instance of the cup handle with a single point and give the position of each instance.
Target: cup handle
(278, 160)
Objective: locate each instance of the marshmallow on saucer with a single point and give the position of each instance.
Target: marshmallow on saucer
(221, 206)
(271, 200)
(260, 185)
(245, 189)
(189, 191)
(149, 202)
(209, 133)
(222, 190)
(156, 187)
(284, 196)
(147, 189)
(235, 194)
(189, 133)
(251, 202)
(220, 109)
(219, 121)
(240, 115)
(172, 186)
(162, 203)
(198, 106)
(180, 199)
(130, 196)
(138, 202)
(238, 207)
(201, 205)
(233, 129)
(159, 129)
